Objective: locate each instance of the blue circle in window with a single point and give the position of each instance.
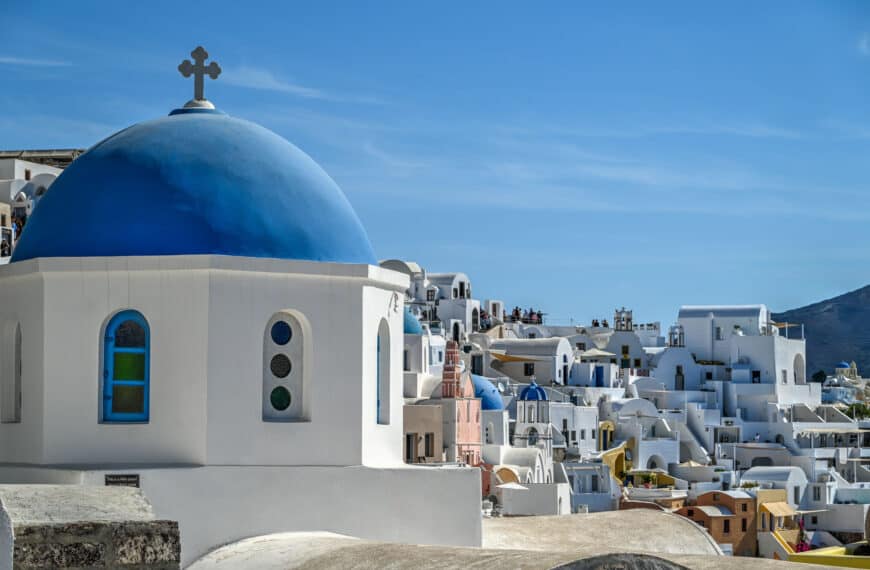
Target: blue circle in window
(281, 333)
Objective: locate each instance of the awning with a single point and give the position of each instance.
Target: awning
(779, 509)
(508, 358)
(596, 353)
(811, 511)
(830, 430)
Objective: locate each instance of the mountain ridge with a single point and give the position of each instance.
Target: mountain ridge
(836, 329)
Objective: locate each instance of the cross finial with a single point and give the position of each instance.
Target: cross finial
(199, 70)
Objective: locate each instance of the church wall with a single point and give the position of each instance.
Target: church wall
(21, 302)
(219, 504)
(80, 297)
(382, 443)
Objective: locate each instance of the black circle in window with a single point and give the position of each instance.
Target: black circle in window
(280, 365)
(280, 398)
(281, 333)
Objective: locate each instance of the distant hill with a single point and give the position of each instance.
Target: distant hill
(836, 329)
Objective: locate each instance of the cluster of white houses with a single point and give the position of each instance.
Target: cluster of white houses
(619, 415)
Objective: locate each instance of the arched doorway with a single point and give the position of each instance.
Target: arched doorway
(475, 320)
(532, 437)
(800, 369)
(456, 332)
(655, 462)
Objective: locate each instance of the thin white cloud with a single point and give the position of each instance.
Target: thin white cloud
(263, 79)
(255, 78)
(864, 44)
(32, 62)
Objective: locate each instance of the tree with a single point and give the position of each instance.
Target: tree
(819, 376)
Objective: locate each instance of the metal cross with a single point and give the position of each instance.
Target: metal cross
(198, 69)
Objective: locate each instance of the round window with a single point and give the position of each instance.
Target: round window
(281, 333)
(280, 365)
(280, 398)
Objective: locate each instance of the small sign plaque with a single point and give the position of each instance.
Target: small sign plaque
(122, 480)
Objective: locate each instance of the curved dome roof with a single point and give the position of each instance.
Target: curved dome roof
(412, 325)
(195, 182)
(533, 392)
(490, 399)
(844, 364)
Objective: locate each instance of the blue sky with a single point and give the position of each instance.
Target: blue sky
(567, 156)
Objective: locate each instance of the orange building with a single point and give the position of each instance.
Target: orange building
(729, 517)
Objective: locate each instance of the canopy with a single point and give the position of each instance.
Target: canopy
(779, 509)
(596, 353)
(508, 358)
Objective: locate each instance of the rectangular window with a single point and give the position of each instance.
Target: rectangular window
(429, 444)
(797, 496)
(581, 346)
(743, 525)
(637, 362)
(574, 436)
(726, 526)
(477, 364)
(593, 433)
(708, 375)
(715, 496)
(690, 513)
(529, 369)
(785, 376)
(718, 333)
(410, 444)
(406, 361)
(756, 376)
(743, 507)
(815, 519)
(583, 434)
(817, 493)
(624, 350)
(430, 295)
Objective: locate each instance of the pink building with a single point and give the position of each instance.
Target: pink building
(461, 411)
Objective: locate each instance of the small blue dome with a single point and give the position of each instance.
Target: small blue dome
(195, 182)
(844, 364)
(490, 399)
(533, 392)
(412, 325)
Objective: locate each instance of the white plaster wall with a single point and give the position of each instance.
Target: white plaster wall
(536, 499)
(80, 296)
(216, 505)
(666, 369)
(207, 316)
(21, 302)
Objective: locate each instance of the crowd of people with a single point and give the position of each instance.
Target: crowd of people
(522, 316)
(10, 238)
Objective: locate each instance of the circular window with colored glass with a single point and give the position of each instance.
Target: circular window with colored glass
(281, 333)
(280, 398)
(280, 365)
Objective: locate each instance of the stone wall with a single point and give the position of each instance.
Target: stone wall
(139, 545)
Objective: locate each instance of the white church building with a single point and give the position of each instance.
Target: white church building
(215, 328)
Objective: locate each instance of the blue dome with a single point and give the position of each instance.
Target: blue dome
(490, 399)
(844, 364)
(533, 392)
(195, 182)
(412, 325)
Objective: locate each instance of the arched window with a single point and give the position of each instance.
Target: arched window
(126, 368)
(382, 373)
(284, 369)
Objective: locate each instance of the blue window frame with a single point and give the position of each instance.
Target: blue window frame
(126, 368)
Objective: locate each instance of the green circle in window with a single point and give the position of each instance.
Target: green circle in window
(280, 398)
